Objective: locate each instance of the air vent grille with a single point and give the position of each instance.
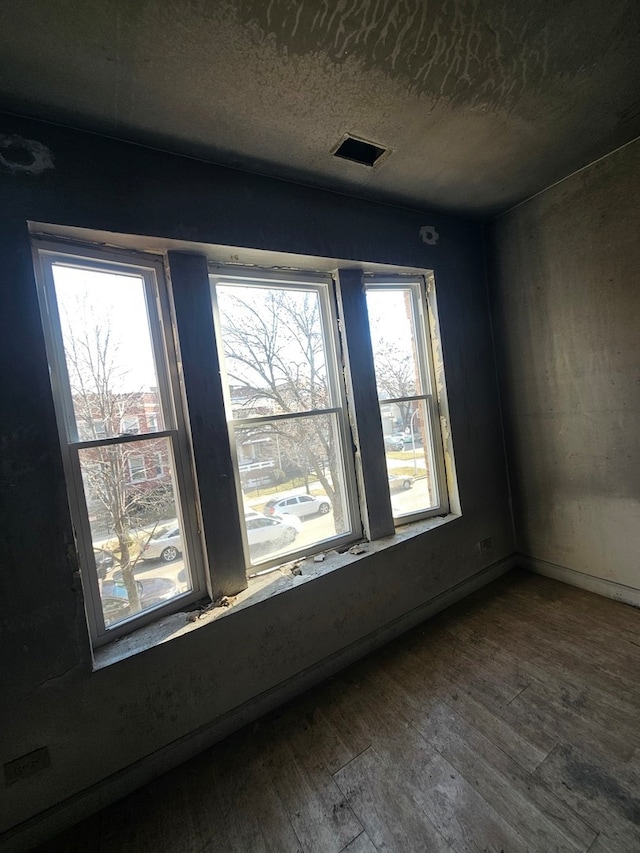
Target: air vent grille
(360, 151)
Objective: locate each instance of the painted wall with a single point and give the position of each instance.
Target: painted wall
(100, 723)
(566, 293)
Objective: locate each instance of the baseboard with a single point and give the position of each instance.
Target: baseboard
(608, 588)
(72, 810)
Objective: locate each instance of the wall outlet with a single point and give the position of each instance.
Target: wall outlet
(485, 545)
(26, 765)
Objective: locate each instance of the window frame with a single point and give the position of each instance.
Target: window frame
(207, 471)
(135, 430)
(157, 465)
(142, 469)
(323, 285)
(46, 253)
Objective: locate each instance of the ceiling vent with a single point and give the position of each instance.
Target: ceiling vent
(360, 151)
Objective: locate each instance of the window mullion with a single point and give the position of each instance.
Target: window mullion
(438, 453)
(366, 422)
(65, 414)
(125, 439)
(209, 434)
(285, 416)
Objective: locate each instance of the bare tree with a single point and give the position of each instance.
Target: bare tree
(275, 353)
(396, 377)
(103, 410)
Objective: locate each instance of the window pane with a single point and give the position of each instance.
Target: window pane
(393, 339)
(138, 548)
(137, 468)
(108, 352)
(274, 349)
(410, 460)
(288, 458)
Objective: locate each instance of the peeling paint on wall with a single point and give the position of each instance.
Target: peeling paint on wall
(18, 154)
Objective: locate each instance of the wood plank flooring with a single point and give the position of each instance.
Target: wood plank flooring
(509, 723)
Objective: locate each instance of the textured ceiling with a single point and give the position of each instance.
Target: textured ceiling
(483, 102)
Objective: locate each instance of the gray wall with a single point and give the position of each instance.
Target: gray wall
(566, 295)
(100, 723)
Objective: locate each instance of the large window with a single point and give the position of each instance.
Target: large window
(126, 474)
(303, 404)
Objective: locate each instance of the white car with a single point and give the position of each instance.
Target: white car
(165, 544)
(397, 484)
(300, 505)
(276, 531)
(285, 518)
(270, 533)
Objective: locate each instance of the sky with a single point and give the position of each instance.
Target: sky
(115, 302)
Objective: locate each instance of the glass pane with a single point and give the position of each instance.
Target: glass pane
(274, 349)
(132, 502)
(393, 340)
(281, 461)
(108, 352)
(410, 459)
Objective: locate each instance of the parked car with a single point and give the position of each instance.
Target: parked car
(104, 561)
(165, 544)
(394, 442)
(115, 598)
(277, 530)
(270, 533)
(287, 518)
(412, 440)
(300, 505)
(397, 484)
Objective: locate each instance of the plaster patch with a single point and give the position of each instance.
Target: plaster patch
(18, 154)
(429, 235)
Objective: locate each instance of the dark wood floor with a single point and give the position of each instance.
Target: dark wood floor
(509, 723)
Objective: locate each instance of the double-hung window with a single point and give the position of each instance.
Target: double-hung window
(110, 360)
(400, 339)
(286, 412)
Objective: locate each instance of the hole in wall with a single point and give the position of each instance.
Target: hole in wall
(24, 155)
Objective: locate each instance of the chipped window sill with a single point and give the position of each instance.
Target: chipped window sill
(261, 587)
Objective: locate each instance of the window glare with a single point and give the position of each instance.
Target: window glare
(392, 327)
(108, 350)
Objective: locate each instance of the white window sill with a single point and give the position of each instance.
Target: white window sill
(260, 588)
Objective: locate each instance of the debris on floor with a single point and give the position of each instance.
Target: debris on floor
(223, 601)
